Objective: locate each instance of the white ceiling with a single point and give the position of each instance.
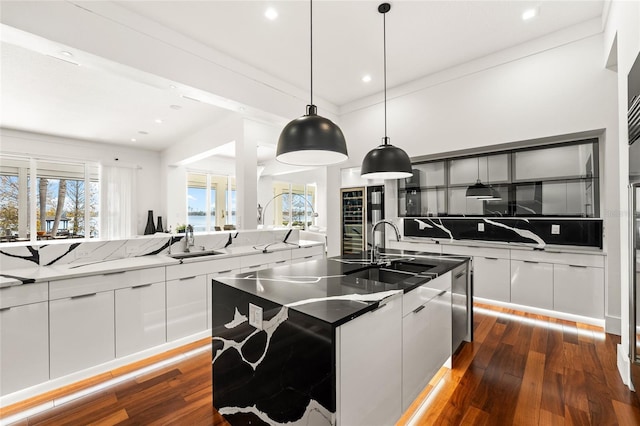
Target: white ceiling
(110, 104)
(422, 36)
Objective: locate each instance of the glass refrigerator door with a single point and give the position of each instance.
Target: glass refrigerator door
(635, 273)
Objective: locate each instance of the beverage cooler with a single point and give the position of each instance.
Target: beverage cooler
(361, 208)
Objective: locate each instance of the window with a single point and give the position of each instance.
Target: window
(555, 180)
(211, 201)
(65, 199)
(291, 205)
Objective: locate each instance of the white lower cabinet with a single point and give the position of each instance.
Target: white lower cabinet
(24, 346)
(81, 332)
(140, 318)
(579, 290)
(426, 343)
(532, 283)
(492, 278)
(186, 306)
(369, 367)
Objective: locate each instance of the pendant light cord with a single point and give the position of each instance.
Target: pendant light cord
(384, 50)
(311, 40)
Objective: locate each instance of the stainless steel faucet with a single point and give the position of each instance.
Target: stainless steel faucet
(189, 238)
(373, 258)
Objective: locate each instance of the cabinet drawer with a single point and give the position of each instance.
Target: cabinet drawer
(532, 283)
(24, 346)
(578, 290)
(421, 295)
(23, 294)
(140, 318)
(186, 306)
(595, 260)
(307, 252)
(104, 282)
(82, 333)
(253, 262)
(492, 278)
(175, 272)
(499, 253)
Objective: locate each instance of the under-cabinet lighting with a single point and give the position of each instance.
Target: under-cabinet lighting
(366, 78)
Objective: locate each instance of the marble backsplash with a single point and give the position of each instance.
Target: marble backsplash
(14, 256)
(530, 231)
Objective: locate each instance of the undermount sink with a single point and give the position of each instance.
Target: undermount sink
(189, 255)
(413, 267)
(384, 275)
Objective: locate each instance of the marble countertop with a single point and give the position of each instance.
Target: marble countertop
(79, 268)
(324, 290)
(504, 245)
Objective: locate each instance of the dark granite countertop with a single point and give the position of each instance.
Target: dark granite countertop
(325, 290)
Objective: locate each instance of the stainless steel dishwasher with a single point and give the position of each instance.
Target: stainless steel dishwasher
(461, 307)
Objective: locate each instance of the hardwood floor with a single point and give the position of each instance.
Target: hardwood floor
(521, 369)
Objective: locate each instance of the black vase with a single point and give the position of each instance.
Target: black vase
(159, 228)
(150, 229)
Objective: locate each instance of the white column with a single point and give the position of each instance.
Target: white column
(247, 176)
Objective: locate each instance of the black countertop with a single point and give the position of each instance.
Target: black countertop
(324, 289)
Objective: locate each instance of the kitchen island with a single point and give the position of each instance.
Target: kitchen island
(335, 341)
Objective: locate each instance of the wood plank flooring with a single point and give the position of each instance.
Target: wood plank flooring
(521, 369)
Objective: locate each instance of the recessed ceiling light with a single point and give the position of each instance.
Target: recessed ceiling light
(66, 53)
(173, 86)
(133, 139)
(142, 132)
(529, 14)
(158, 120)
(271, 14)
(175, 107)
(366, 78)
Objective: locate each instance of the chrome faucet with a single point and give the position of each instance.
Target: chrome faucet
(373, 237)
(189, 238)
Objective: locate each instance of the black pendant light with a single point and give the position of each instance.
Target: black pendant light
(386, 161)
(311, 140)
(481, 191)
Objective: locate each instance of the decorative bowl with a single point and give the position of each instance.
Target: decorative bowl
(41, 233)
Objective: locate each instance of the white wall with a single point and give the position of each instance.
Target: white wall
(149, 194)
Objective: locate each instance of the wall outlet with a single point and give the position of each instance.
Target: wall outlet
(255, 316)
(555, 229)
(481, 227)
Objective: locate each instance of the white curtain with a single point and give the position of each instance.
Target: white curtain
(117, 202)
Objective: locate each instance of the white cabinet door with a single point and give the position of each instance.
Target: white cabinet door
(492, 278)
(210, 277)
(532, 283)
(426, 344)
(140, 318)
(24, 346)
(81, 332)
(369, 367)
(578, 290)
(186, 306)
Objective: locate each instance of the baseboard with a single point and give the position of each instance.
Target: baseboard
(624, 366)
(613, 325)
(546, 312)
